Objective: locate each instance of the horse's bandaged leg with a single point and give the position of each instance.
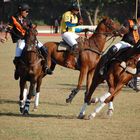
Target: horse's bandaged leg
(36, 103)
(27, 104)
(97, 110)
(21, 103)
(25, 94)
(110, 106)
(83, 109)
(110, 109)
(105, 96)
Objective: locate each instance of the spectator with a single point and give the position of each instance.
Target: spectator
(56, 25)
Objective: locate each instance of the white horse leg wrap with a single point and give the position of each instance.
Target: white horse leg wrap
(110, 106)
(25, 94)
(105, 96)
(98, 109)
(36, 103)
(21, 103)
(83, 108)
(27, 104)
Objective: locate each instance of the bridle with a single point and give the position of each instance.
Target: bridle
(113, 33)
(31, 43)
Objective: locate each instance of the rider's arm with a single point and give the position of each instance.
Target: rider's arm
(69, 24)
(9, 26)
(77, 30)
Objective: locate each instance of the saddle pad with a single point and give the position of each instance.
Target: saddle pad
(63, 46)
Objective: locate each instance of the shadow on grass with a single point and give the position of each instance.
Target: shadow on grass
(3, 101)
(10, 114)
(7, 101)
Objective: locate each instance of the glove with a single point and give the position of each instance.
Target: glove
(80, 22)
(3, 40)
(135, 27)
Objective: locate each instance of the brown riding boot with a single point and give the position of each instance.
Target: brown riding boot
(71, 59)
(47, 70)
(16, 62)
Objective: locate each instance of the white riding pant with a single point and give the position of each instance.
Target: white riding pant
(70, 38)
(122, 45)
(20, 46)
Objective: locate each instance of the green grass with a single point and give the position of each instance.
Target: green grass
(56, 120)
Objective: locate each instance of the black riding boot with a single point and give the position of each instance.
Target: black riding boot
(105, 58)
(138, 67)
(16, 62)
(44, 54)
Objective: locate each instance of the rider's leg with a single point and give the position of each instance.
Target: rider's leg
(110, 53)
(43, 51)
(70, 39)
(19, 48)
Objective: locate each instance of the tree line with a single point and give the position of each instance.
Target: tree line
(45, 11)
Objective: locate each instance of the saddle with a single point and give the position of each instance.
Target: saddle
(71, 55)
(64, 46)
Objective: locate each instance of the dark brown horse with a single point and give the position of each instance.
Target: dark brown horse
(90, 52)
(118, 74)
(30, 70)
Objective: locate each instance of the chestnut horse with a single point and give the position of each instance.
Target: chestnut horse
(31, 70)
(120, 72)
(90, 52)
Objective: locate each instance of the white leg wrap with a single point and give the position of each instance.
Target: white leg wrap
(105, 96)
(96, 100)
(27, 104)
(83, 108)
(110, 106)
(36, 103)
(22, 103)
(25, 94)
(97, 109)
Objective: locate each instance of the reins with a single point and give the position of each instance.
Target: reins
(103, 33)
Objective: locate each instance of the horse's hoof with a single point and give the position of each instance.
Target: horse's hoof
(35, 109)
(91, 116)
(110, 112)
(21, 110)
(68, 100)
(25, 113)
(81, 116)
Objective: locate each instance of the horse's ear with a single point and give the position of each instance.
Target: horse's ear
(34, 26)
(105, 17)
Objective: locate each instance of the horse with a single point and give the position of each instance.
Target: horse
(30, 69)
(90, 51)
(119, 72)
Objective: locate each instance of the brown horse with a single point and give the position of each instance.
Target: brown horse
(118, 74)
(90, 52)
(30, 70)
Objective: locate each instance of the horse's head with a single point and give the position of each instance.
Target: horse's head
(108, 27)
(30, 38)
(31, 51)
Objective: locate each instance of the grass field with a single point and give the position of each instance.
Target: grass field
(56, 120)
